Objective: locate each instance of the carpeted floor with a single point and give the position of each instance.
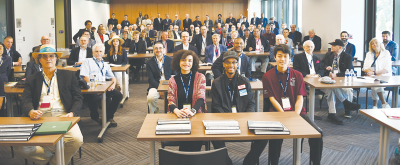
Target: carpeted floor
(355, 142)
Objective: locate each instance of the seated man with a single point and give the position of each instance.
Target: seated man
(168, 44)
(157, 68)
(335, 64)
(258, 43)
(60, 90)
(185, 43)
(79, 54)
(306, 63)
(228, 96)
(91, 41)
(137, 46)
(96, 67)
(280, 39)
(244, 61)
(314, 38)
(213, 51)
(287, 98)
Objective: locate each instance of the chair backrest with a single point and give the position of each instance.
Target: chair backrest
(213, 157)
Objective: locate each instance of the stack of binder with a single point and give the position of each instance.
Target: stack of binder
(18, 132)
(268, 128)
(173, 126)
(221, 127)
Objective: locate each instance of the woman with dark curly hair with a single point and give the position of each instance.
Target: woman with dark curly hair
(186, 92)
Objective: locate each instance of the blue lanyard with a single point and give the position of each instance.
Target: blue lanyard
(374, 60)
(48, 85)
(161, 65)
(183, 84)
(287, 80)
(231, 94)
(101, 69)
(310, 63)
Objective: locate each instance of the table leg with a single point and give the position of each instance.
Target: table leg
(311, 102)
(296, 151)
(257, 100)
(165, 102)
(104, 122)
(383, 146)
(10, 109)
(152, 153)
(60, 152)
(395, 95)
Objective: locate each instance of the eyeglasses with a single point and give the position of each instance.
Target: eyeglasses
(45, 56)
(231, 63)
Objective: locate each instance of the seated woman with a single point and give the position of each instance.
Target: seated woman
(117, 55)
(186, 92)
(234, 35)
(378, 62)
(5, 70)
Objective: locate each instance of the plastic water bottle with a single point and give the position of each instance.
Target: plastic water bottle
(347, 75)
(351, 79)
(297, 48)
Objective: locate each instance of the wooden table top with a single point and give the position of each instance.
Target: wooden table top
(255, 85)
(101, 88)
(355, 64)
(378, 116)
(392, 82)
(274, 64)
(114, 69)
(204, 68)
(298, 127)
(36, 140)
(145, 55)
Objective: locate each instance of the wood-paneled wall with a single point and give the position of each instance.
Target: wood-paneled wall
(132, 8)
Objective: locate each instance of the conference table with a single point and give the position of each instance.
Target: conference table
(255, 86)
(40, 140)
(386, 125)
(356, 64)
(299, 128)
(392, 81)
(101, 88)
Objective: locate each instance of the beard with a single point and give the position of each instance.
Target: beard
(344, 40)
(385, 41)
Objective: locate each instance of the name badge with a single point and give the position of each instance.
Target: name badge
(286, 104)
(243, 86)
(234, 109)
(188, 106)
(257, 47)
(243, 92)
(336, 71)
(45, 102)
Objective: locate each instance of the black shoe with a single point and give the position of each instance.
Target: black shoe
(350, 106)
(335, 119)
(113, 123)
(347, 113)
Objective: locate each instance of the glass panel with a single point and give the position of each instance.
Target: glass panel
(3, 20)
(384, 16)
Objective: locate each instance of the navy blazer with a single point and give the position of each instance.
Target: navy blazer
(170, 45)
(74, 56)
(264, 22)
(152, 33)
(14, 54)
(153, 71)
(296, 38)
(254, 22)
(186, 24)
(316, 40)
(68, 87)
(300, 63)
(210, 52)
(5, 67)
(166, 23)
(345, 62)
(140, 48)
(251, 42)
(158, 24)
(191, 47)
(121, 59)
(217, 67)
(198, 42)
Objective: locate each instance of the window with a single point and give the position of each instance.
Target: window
(3, 20)
(384, 16)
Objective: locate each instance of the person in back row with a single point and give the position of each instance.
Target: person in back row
(287, 98)
(79, 54)
(213, 51)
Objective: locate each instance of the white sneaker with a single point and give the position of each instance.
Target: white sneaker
(386, 105)
(374, 107)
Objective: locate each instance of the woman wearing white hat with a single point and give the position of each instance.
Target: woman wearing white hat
(117, 55)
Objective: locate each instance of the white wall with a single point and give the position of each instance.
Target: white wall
(254, 6)
(324, 17)
(82, 10)
(35, 22)
(353, 23)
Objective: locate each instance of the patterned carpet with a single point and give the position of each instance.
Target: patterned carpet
(355, 142)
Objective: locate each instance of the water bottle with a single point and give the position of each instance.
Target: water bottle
(351, 79)
(297, 48)
(262, 50)
(347, 74)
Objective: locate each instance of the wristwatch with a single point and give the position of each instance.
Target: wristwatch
(194, 111)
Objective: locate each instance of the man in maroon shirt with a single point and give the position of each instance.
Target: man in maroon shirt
(284, 89)
(270, 36)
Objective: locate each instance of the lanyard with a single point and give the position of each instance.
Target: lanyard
(287, 80)
(160, 68)
(101, 69)
(310, 64)
(48, 85)
(374, 60)
(183, 84)
(231, 94)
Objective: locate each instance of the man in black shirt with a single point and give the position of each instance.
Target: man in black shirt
(113, 21)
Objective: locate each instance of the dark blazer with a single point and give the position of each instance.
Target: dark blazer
(153, 72)
(31, 68)
(254, 22)
(246, 24)
(264, 22)
(68, 87)
(345, 62)
(209, 52)
(197, 41)
(241, 33)
(219, 21)
(158, 24)
(14, 54)
(186, 24)
(147, 41)
(112, 21)
(5, 68)
(74, 56)
(228, 38)
(316, 40)
(121, 59)
(191, 47)
(170, 46)
(166, 23)
(152, 33)
(233, 21)
(140, 48)
(297, 37)
(252, 43)
(175, 36)
(80, 32)
(217, 67)
(210, 25)
(127, 42)
(300, 63)
(197, 23)
(178, 23)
